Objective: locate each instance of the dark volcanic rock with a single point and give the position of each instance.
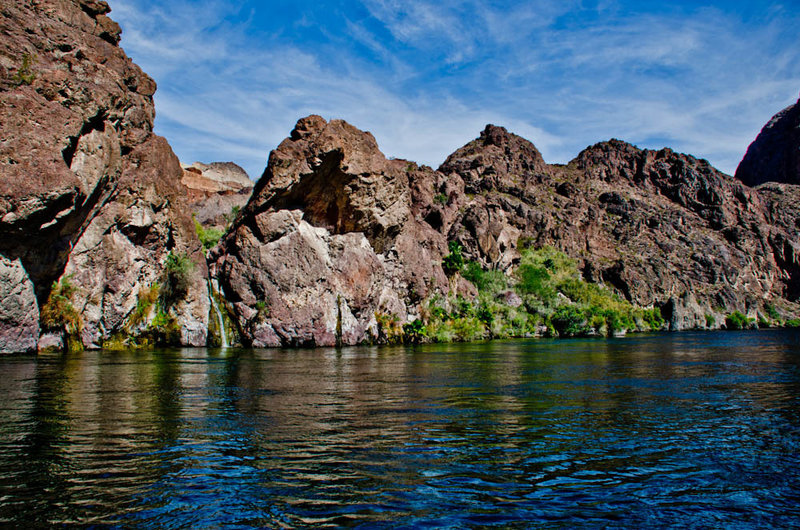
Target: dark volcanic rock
(336, 235)
(774, 156)
(77, 118)
(662, 228)
(330, 239)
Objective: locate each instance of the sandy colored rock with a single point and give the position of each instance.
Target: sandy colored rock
(19, 313)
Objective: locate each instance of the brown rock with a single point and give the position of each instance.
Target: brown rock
(216, 191)
(656, 226)
(329, 239)
(77, 162)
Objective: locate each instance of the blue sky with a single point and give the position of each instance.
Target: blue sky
(425, 77)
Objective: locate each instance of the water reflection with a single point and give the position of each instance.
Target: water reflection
(646, 431)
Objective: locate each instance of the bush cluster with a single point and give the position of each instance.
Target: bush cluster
(58, 313)
(546, 295)
(209, 237)
(177, 277)
(737, 320)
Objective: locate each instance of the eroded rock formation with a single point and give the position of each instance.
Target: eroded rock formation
(336, 234)
(216, 192)
(86, 190)
(330, 239)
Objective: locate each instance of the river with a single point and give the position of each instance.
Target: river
(691, 430)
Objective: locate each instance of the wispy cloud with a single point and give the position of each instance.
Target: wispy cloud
(425, 77)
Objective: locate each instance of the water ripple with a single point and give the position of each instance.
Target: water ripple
(695, 430)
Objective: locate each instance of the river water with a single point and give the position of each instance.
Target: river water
(690, 430)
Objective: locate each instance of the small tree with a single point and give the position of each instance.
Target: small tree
(454, 261)
(177, 277)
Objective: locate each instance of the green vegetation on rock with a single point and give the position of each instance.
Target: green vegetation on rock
(58, 313)
(737, 320)
(177, 277)
(454, 261)
(545, 296)
(24, 74)
(208, 237)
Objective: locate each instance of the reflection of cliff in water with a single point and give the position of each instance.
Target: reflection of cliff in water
(291, 437)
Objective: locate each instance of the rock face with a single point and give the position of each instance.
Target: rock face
(98, 245)
(85, 186)
(205, 180)
(330, 240)
(336, 235)
(774, 156)
(216, 191)
(662, 228)
(19, 314)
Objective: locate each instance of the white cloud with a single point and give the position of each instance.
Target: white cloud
(425, 77)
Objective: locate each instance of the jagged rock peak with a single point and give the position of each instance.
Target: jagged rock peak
(495, 135)
(308, 126)
(337, 174)
(330, 240)
(497, 160)
(774, 156)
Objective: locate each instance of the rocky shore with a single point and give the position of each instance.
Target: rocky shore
(107, 241)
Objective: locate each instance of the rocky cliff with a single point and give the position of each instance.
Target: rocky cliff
(337, 237)
(90, 199)
(774, 156)
(663, 229)
(331, 239)
(338, 244)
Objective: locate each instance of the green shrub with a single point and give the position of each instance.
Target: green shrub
(454, 261)
(772, 312)
(58, 312)
(710, 320)
(439, 313)
(534, 280)
(414, 332)
(163, 330)
(653, 318)
(792, 323)
(489, 281)
(568, 321)
(144, 301)
(468, 329)
(440, 198)
(736, 320)
(177, 278)
(208, 237)
(24, 75)
(389, 329)
(485, 314)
